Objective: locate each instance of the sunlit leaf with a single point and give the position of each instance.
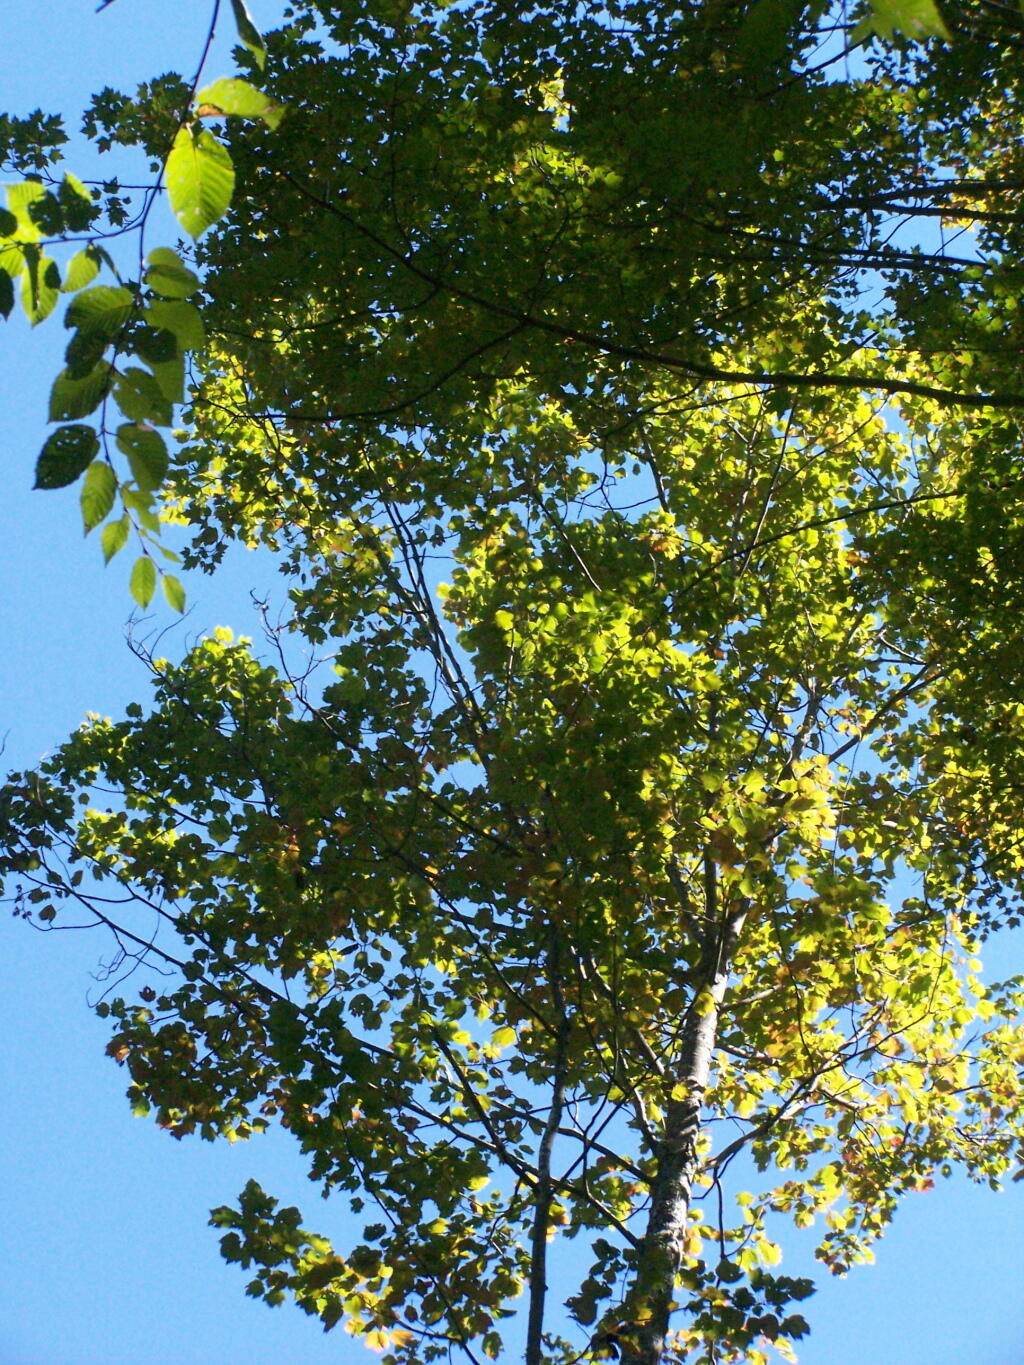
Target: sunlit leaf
(98, 492)
(169, 276)
(114, 537)
(200, 179)
(81, 270)
(40, 287)
(180, 318)
(173, 591)
(103, 310)
(142, 583)
(248, 33)
(230, 95)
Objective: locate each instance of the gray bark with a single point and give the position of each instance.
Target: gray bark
(649, 1303)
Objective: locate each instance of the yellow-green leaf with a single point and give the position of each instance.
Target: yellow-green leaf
(200, 179)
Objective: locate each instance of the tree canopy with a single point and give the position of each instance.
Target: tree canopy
(596, 860)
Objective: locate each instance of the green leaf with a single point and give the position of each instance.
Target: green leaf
(142, 583)
(174, 592)
(182, 319)
(153, 344)
(915, 19)
(6, 294)
(8, 223)
(114, 537)
(200, 179)
(249, 33)
(230, 95)
(103, 310)
(81, 270)
(12, 260)
(40, 287)
(168, 276)
(97, 497)
(83, 352)
(146, 452)
(76, 395)
(170, 375)
(77, 204)
(140, 501)
(65, 456)
(141, 398)
(20, 199)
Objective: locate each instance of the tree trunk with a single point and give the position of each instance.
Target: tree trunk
(649, 1303)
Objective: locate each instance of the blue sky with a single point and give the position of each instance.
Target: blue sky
(103, 1217)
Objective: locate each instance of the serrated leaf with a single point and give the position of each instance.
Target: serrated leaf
(153, 344)
(65, 456)
(174, 592)
(233, 96)
(140, 502)
(248, 33)
(98, 491)
(200, 179)
(84, 352)
(146, 452)
(170, 375)
(76, 395)
(142, 584)
(6, 294)
(141, 399)
(82, 269)
(182, 319)
(8, 223)
(114, 537)
(103, 310)
(168, 275)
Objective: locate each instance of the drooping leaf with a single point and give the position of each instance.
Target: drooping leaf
(153, 344)
(170, 375)
(114, 537)
(142, 583)
(169, 276)
(146, 452)
(103, 310)
(6, 294)
(81, 270)
(200, 179)
(65, 456)
(230, 95)
(98, 492)
(76, 395)
(139, 501)
(248, 33)
(21, 198)
(84, 352)
(182, 319)
(40, 286)
(173, 591)
(141, 398)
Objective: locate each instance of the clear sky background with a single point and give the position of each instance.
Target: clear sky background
(107, 1259)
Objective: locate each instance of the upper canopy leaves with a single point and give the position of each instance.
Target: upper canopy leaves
(646, 460)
